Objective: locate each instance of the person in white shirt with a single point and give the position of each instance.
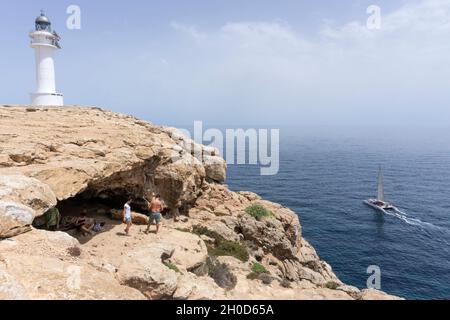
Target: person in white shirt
(127, 219)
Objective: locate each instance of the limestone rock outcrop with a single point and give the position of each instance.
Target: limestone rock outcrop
(38, 265)
(22, 199)
(51, 156)
(76, 150)
(146, 268)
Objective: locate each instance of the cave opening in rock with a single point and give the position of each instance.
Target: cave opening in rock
(91, 202)
(89, 213)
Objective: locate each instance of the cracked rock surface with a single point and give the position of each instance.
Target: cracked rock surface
(51, 155)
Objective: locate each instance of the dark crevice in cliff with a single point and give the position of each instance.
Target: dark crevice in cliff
(89, 211)
(114, 191)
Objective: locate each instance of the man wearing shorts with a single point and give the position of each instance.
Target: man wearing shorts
(156, 207)
(127, 218)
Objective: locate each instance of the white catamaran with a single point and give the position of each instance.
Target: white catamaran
(380, 204)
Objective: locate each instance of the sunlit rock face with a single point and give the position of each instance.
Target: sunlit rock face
(72, 151)
(82, 158)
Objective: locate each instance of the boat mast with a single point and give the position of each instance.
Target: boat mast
(380, 196)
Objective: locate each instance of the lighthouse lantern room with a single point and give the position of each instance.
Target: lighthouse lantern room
(45, 42)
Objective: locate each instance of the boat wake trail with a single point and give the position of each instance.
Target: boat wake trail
(381, 205)
(413, 221)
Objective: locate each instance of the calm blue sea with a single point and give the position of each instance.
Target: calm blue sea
(326, 173)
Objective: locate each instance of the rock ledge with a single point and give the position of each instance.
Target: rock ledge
(51, 156)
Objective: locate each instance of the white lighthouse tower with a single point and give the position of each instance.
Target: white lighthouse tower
(45, 42)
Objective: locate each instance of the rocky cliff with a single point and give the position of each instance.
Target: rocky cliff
(229, 245)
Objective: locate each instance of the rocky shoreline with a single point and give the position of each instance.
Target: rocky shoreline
(227, 245)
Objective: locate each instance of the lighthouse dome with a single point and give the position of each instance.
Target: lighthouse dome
(43, 23)
(43, 19)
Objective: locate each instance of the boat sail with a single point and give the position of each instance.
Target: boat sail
(380, 203)
(380, 186)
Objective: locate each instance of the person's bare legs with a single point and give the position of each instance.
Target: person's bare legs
(87, 231)
(157, 227)
(127, 230)
(149, 225)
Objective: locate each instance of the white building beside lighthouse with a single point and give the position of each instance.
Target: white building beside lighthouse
(45, 42)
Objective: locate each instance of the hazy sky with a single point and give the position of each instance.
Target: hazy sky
(255, 62)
